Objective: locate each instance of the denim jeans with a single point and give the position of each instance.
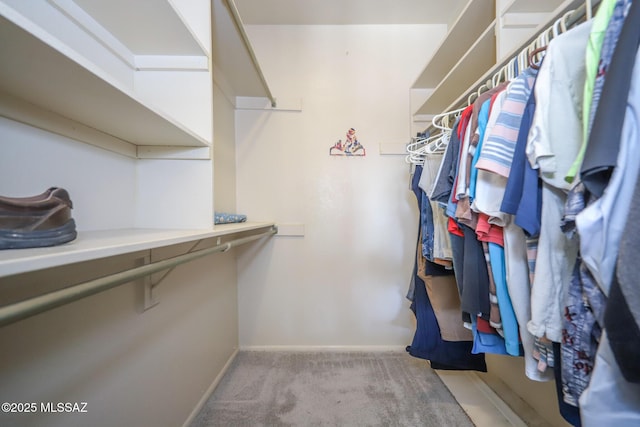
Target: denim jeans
(426, 221)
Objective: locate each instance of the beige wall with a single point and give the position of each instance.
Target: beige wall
(224, 153)
(132, 368)
(344, 282)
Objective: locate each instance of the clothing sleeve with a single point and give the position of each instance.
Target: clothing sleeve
(443, 184)
(538, 148)
(461, 188)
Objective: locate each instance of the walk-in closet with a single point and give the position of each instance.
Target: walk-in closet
(319, 213)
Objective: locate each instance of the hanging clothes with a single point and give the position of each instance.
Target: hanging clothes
(427, 342)
(609, 395)
(600, 220)
(523, 201)
(554, 142)
(622, 315)
(594, 69)
(604, 138)
(540, 182)
(439, 247)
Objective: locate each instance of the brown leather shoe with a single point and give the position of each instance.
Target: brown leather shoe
(36, 221)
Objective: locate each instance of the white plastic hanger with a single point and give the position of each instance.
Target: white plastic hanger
(480, 89)
(437, 120)
(439, 145)
(416, 150)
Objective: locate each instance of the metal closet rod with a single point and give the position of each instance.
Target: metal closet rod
(245, 39)
(21, 310)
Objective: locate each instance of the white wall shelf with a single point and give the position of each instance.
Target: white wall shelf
(232, 57)
(94, 245)
(528, 6)
(470, 25)
(462, 95)
(479, 58)
(69, 68)
(144, 34)
(60, 89)
(470, 50)
(53, 78)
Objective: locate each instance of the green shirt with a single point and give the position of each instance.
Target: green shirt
(592, 59)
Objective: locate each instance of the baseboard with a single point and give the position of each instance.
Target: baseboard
(480, 402)
(497, 402)
(326, 348)
(209, 392)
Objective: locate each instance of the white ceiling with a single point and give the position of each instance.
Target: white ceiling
(344, 12)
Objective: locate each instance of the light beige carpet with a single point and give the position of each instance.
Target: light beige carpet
(330, 389)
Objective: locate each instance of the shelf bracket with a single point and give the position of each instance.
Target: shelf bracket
(151, 282)
(150, 299)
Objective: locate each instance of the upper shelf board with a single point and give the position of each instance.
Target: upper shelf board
(146, 27)
(39, 69)
(94, 245)
(232, 56)
(471, 23)
(478, 59)
(528, 6)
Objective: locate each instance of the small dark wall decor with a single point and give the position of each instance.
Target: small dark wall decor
(349, 147)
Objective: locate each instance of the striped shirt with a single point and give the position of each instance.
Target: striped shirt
(496, 154)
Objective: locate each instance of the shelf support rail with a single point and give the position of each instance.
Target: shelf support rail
(245, 40)
(21, 310)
